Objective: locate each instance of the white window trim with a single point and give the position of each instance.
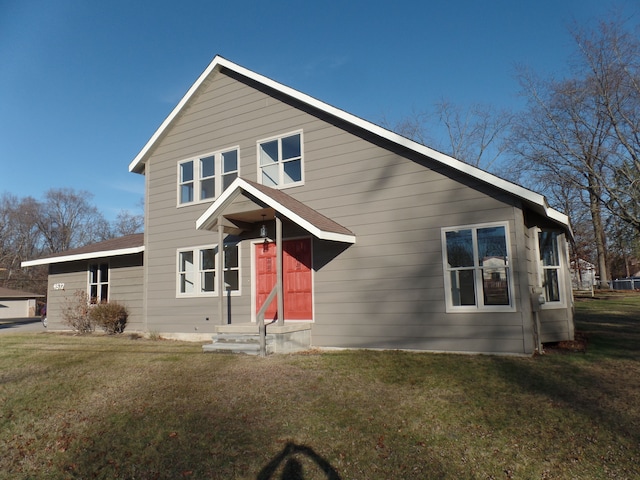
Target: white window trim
(197, 175)
(197, 284)
(561, 272)
(99, 283)
(479, 307)
(280, 185)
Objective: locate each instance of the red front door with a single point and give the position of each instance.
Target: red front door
(296, 272)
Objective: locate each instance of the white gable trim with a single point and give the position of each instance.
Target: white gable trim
(209, 218)
(518, 191)
(82, 256)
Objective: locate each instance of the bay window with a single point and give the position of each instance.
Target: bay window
(550, 265)
(477, 269)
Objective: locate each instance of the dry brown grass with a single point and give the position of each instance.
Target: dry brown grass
(120, 407)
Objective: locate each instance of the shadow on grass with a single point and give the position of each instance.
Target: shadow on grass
(601, 384)
(611, 334)
(292, 468)
(183, 428)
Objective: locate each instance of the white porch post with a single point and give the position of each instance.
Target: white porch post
(279, 270)
(219, 271)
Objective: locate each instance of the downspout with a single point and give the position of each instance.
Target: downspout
(537, 300)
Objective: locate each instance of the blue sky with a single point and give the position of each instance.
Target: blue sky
(84, 83)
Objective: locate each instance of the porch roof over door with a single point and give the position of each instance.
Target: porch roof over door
(295, 211)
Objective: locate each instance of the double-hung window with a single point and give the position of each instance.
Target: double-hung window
(550, 266)
(197, 269)
(280, 161)
(99, 282)
(476, 268)
(204, 178)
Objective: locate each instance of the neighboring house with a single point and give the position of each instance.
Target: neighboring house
(583, 275)
(375, 241)
(17, 304)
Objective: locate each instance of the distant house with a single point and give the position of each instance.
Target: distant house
(583, 275)
(17, 304)
(359, 237)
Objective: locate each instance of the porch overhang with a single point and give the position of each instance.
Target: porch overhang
(273, 201)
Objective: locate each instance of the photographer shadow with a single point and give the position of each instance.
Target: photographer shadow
(292, 468)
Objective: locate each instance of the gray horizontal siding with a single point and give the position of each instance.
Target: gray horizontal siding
(554, 325)
(74, 277)
(489, 344)
(385, 291)
(125, 286)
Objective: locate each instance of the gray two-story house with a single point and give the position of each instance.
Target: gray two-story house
(354, 236)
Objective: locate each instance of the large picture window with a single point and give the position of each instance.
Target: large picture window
(99, 282)
(477, 270)
(204, 178)
(280, 161)
(197, 266)
(550, 265)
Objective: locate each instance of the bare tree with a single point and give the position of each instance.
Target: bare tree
(67, 220)
(20, 239)
(585, 129)
(609, 55)
(561, 139)
(127, 222)
(474, 135)
(64, 219)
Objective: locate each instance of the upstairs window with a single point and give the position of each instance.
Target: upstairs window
(204, 178)
(550, 265)
(197, 270)
(477, 270)
(280, 161)
(99, 283)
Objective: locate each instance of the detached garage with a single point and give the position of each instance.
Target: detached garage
(17, 304)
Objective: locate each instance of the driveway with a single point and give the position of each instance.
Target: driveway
(21, 325)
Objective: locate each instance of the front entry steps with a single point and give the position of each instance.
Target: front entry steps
(237, 343)
(244, 338)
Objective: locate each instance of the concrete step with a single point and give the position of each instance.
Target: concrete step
(246, 348)
(236, 338)
(237, 343)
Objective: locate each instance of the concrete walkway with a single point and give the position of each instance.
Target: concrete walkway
(21, 325)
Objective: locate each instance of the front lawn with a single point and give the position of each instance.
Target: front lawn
(121, 407)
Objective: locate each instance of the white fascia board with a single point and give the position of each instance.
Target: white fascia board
(451, 162)
(470, 170)
(208, 218)
(82, 256)
(174, 113)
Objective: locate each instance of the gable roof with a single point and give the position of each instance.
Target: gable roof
(534, 200)
(109, 248)
(19, 294)
(312, 221)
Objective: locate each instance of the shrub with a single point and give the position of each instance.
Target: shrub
(111, 316)
(75, 312)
